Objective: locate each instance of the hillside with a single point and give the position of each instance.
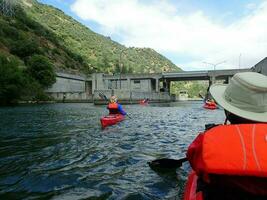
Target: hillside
(22, 37)
(99, 52)
(36, 40)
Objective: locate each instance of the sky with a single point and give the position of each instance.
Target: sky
(193, 34)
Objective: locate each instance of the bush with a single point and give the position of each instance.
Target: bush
(40, 68)
(9, 31)
(24, 48)
(12, 80)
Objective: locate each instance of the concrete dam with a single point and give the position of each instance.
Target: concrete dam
(130, 88)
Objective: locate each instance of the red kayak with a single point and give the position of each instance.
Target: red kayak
(191, 192)
(110, 120)
(210, 106)
(144, 103)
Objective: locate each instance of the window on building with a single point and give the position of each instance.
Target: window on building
(137, 84)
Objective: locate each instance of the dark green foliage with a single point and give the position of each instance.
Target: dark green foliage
(9, 31)
(124, 69)
(16, 83)
(192, 87)
(24, 37)
(117, 67)
(25, 48)
(41, 70)
(12, 81)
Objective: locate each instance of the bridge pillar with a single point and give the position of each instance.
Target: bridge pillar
(212, 80)
(157, 85)
(169, 86)
(97, 82)
(228, 79)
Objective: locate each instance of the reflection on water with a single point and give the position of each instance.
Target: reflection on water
(59, 151)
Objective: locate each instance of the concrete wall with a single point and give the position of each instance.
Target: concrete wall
(130, 96)
(116, 84)
(67, 89)
(143, 85)
(72, 97)
(67, 85)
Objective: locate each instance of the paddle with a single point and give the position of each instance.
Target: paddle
(169, 164)
(166, 163)
(200, 96)
(102, 96)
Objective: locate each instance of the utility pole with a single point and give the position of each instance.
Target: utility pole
(120, 64)
(239, 63)
(215, 64)
(214, 68)
(7, 7)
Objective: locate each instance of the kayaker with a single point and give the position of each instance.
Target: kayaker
(210, 102)
(145, 100)
(231, 157)
(114, 107)
(207, 95)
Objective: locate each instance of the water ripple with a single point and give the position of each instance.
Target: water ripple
(59, 151)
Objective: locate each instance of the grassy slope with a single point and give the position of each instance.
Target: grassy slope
(98, 51)
(21, 37)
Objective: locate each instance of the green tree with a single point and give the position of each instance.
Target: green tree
(40, 68)
(12, 80)
(117, 67)
(130, 70)
(25, 47)
(124, 69)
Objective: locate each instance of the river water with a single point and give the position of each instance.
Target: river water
(59, 151)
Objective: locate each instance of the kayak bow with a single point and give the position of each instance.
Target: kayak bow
(210, 106)
(110, 120)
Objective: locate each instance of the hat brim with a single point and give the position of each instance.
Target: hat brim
(217, 92)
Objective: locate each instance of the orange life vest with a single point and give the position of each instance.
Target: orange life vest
(230, 150)
(113, 108)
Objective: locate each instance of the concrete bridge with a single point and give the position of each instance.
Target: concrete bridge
(202, 75)
(130, 88)
(209, 75)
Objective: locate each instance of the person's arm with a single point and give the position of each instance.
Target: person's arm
(121, 110)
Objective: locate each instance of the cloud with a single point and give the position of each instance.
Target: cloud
(160, 25)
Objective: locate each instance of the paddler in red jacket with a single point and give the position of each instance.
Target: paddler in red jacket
(114, 107)
(233, 157)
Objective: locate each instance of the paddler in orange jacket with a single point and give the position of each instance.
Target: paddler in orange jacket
(114, 107)
(234, 156)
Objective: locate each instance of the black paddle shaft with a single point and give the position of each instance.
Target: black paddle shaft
(102, 96)
(166, 163)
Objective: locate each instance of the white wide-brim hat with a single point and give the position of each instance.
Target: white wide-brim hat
(245, 96)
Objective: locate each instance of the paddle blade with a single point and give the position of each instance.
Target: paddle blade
(102, 96)
(166, 163)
